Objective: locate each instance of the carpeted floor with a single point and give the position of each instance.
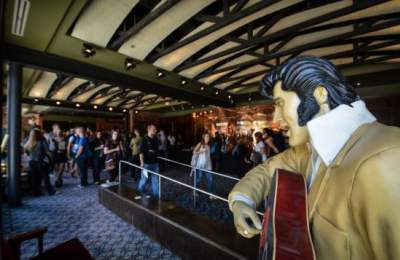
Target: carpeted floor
(76, 212)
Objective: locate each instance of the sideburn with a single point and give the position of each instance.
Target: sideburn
(307, 109)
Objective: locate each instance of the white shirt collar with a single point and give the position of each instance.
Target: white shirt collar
(330, 132)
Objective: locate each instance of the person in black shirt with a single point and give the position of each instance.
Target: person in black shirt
(148, 160)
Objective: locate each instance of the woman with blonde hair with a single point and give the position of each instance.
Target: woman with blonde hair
(202, 151)
(38, 149)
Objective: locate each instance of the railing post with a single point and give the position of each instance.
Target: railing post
(159, 187)
(119, 172)
(194, 185)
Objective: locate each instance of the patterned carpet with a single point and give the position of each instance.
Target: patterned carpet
(76, 213)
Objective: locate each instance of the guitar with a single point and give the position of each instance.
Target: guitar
(285, 233)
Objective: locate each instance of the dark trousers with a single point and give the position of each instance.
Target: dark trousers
(96, 166)
(39, 172)
(161, 162)
(114, 172)
(135, 172)
(216, 160)
(83, 170)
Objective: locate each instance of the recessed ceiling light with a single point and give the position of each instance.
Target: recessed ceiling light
(183, 82)
(95, 106)
(160, 74)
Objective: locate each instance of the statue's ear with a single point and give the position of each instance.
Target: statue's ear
(321, 95)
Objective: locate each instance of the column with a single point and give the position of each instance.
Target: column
(14, 131)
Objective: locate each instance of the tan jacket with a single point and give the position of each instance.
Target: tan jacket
(354, 204)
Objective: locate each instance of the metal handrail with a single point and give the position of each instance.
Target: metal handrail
(160, 176)
(197, 168)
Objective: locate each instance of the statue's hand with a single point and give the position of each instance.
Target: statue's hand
(241, 212)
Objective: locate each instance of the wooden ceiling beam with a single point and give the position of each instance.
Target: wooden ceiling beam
(277, 36)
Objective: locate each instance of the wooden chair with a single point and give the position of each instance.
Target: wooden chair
(71, 249)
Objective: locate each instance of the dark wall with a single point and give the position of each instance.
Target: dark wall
(386, 109)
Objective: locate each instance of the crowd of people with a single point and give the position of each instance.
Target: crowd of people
(240, 151)
(77, 150)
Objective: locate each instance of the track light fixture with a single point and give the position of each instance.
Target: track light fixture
(130, 64)
(160, 74)
(88, 50)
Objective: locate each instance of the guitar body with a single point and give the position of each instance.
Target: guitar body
(286, 233)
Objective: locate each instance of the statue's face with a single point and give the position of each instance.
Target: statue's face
(286, 104)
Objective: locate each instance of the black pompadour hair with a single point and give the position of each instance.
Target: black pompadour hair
(302, 75)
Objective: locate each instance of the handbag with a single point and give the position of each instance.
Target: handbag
(110, 164)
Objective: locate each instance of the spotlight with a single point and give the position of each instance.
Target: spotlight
(160, 74)
(130, 64)
(58, 102)
(88, 50)
(95, 106)
(202, 88)
(217, 92)
(229, 97)
(36, 100)
(124, 110)
(110, 109)
(183, 82)
(77, 105)
(136, 112)
(358, 84)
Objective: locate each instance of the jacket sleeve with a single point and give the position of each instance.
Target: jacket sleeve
(374, 201)
(255, 185)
